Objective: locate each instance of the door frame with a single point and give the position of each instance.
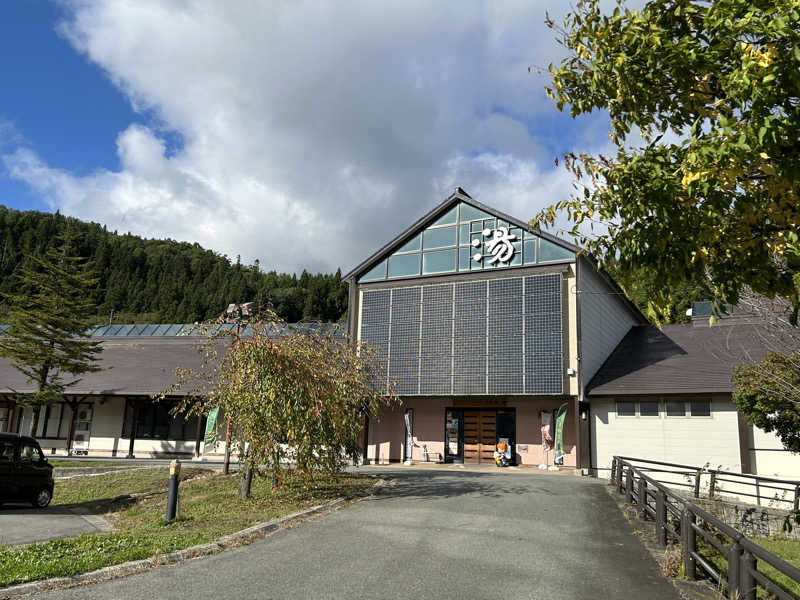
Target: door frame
(459, 459)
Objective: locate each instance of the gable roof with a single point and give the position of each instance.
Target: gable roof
(459, 195)
(678, 359)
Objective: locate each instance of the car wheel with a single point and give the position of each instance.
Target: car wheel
(43, 498)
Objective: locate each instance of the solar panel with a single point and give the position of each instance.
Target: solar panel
(498, 336)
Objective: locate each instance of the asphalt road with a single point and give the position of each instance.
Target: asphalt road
(436, 534)
(22, 524)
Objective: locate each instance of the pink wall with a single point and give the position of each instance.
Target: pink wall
(386, 434)
(529, 431)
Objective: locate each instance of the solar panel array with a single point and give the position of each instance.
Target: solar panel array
(497, 336)
(190, 329)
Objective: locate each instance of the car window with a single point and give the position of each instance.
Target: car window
(6, 451)
(30, 453)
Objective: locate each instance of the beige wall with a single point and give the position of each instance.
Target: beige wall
(687, 440)
(769, 458)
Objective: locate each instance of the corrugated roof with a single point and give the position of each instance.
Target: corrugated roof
(678, 359)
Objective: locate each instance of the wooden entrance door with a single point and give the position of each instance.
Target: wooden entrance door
(480, 435)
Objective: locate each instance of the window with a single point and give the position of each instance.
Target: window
(31, 453)
(648, 409)
(412, 245)
(700, 408)
(157, 422)
(404, 265)
(440, 261)
(548, 251)
(676, 408)
(440, 238)
(6, 451)
(626, 409)
(530, 251)
(450, 216)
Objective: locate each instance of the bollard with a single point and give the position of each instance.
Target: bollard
(172, 492)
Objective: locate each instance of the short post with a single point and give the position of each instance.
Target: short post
(661, 516)
(734, 559)
(697, 484)
(689, 544)
(712, 485)
(172, 492)
(629, 485)
(747, 587)
(642, 498)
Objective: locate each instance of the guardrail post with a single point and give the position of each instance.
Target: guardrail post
(734, 560)
(661, 516)
(797, 498)
(747, 585)
(689, 544)
(614, 470)
(712, 486)
(629, 485)
(642, 498)
(620, 482)
(697, 484)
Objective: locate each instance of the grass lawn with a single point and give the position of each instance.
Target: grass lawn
(788, 550)
(72, 462)
(209, 510)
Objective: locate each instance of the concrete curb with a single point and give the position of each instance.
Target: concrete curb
(234, 540)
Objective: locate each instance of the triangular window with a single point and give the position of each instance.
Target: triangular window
(466, 238)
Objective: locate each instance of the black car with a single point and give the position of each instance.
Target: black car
(25, 474)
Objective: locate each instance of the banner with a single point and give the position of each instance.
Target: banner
(547, 439)
(211, 427)
(561, 416)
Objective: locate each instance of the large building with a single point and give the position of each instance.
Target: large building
(481, 326)
(484, 329)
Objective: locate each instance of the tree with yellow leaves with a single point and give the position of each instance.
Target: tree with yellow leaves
(704, 106)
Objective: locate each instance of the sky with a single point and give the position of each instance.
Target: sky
(302, 134)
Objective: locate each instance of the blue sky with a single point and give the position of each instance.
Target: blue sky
(55, 100)
(263, 131)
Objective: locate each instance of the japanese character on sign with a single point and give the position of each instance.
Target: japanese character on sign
(499, 244)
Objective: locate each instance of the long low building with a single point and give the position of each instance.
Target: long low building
(486, 330)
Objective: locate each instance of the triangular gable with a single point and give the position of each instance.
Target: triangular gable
(438, 242)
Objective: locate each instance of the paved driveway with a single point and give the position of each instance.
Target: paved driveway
(21, 524)
(436, 534)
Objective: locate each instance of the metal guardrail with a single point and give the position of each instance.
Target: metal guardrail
(758, 487)
(678, 518)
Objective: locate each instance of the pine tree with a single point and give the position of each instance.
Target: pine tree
(48, 319)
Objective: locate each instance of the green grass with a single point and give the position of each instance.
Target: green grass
(71, 462)
(90, 489)
(788, 550)
(209, 510)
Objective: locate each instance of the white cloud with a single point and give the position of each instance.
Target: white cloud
(311, 132)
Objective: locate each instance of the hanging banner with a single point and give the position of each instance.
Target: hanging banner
(211, 427)
(561, 416)
(547, 438)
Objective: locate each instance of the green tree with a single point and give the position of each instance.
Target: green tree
(708, 198)
(290, 397)
(768, 394)
(48, 318)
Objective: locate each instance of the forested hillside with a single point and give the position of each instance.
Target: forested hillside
(164, 280)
